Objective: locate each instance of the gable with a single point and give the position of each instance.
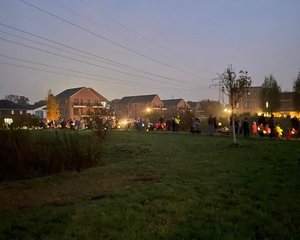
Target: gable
(67, 93)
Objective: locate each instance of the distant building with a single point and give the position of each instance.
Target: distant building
(174, 106)
(287, 105)
(132, 107)
(38, 109)
(8, 110)
(250, 102)
(75, 103)
(196, 109)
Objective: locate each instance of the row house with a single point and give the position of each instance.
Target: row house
(76, 103)
(196, 109)
(132, 107)
(8, 110)
(175, 106)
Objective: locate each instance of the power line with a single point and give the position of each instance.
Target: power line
(104, 38)
(77, 60)
(60, 49)
(76, 76)
(109, 61)
(74, 71)
(97, 24)
(133, 31)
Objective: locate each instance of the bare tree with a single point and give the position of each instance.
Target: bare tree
(234, 86)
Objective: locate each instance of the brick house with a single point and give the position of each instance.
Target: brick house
(132, 107)
(196, 109)
(174, 106)
(75, 103)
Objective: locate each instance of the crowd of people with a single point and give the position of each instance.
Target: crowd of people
(263, 126)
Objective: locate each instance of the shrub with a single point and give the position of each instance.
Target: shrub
(27, 154)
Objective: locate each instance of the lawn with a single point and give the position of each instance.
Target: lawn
(164, 186)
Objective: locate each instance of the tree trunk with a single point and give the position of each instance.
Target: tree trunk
(233, 131)
(233, 127)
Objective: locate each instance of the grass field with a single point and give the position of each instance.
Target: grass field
(164, 186)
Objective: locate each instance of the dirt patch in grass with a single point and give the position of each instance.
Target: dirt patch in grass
(68, 190)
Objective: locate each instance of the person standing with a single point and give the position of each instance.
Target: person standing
(254, 128)
(210, 122)
(246, 127)
(272, 126)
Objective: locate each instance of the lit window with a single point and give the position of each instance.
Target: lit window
(8, 121)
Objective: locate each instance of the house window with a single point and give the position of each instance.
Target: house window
(8, 121)
(103, 104)
(96, 102)
(88, 102)
(76, 101)
(12, 112)
(21, 112)
(247, 105)
(76, 111)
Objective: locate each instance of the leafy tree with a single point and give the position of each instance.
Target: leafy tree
(296, 95)
(12, 98)
(234, 86)
(52, 107)
(21, 100)
(270, 95)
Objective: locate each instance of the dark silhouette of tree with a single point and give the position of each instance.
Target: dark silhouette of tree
(234, 86)
(270, 95)
(21, 100)
(296, 95)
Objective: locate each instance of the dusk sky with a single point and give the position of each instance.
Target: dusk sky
(174, 48)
